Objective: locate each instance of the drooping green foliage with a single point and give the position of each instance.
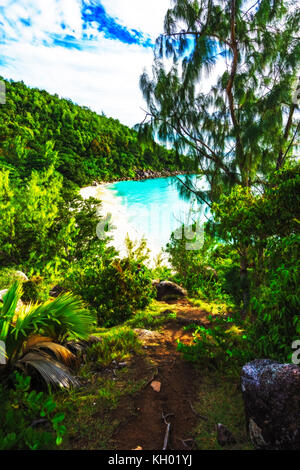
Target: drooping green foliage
(39, 131)
(226, 93)
(227, 98)
(263, 229)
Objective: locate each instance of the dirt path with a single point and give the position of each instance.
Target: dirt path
(146, 429)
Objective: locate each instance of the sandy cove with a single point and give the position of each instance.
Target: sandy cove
(112, 204)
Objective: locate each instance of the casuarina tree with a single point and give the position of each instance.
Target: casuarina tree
(223, 87)
(223, 90)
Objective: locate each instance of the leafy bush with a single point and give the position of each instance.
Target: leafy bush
(35, 289)
(22, 411)
(124, 291)
(223, 343)
(276, 302)
(115, 288)
(32, 233)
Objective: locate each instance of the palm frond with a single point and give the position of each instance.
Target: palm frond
(66, 315)
(33, 340)
(52, 371)
(29, 334)
(10, 301)
(60, 352)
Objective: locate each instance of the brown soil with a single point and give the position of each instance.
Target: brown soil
(146, 425)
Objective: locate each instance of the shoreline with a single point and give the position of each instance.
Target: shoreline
(145, 175)
(112, 204)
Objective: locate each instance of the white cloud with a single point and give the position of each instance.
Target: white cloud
(147, 16)
(104, 77)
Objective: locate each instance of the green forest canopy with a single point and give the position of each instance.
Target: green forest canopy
(38, 130)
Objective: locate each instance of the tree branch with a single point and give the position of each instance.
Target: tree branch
(281, 158)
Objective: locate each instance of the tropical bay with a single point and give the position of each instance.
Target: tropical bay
(150, 209)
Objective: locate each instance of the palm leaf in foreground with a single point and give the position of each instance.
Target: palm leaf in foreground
(29, 334)
(52, 371)
(61, 353)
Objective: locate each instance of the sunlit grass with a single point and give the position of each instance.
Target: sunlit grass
(220, 400)
(153, 317)
(117, 344)
(213, 308)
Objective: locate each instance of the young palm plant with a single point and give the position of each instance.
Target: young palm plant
(32, 334)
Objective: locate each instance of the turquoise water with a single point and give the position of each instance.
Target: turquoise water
(155, 207)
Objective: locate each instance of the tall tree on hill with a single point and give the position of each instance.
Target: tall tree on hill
(244, 125)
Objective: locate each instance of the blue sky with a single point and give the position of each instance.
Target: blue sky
(91, 51)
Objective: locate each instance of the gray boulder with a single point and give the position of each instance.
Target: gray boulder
(21, 276)
(271, 393)
(167, 290)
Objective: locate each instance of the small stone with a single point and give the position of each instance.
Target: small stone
(122, 364)
(156, 385)
(224, 436)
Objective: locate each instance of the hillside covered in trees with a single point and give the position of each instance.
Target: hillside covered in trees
(38, 130)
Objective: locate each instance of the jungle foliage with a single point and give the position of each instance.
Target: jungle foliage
(223, 88)
(266, 228)
(39, 131)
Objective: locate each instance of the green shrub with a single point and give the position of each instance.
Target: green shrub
(35, 289)
(276, 302)
(223, 343)
(8, 276)
(115, 291)
(114, 288)
(21, 412)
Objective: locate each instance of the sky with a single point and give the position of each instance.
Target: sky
(91, 51)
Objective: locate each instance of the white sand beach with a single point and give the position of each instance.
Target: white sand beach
(112, 204)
